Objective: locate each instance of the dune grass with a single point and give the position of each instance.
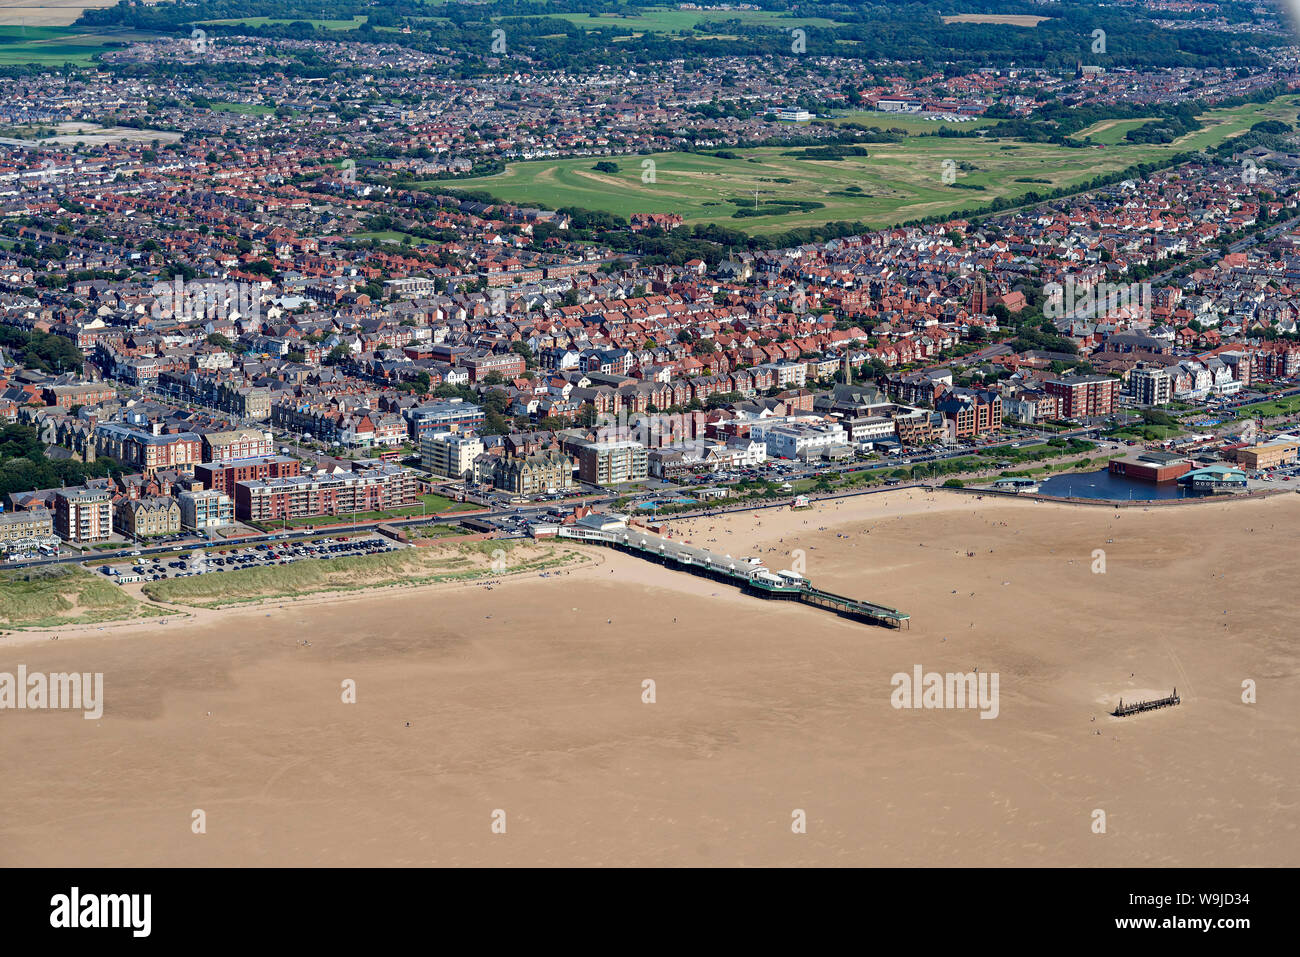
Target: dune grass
(53, 595)
(449, 562)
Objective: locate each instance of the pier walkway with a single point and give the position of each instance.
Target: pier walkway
(754, 579)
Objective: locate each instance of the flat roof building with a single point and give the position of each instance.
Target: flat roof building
(83, 514)
(1268, 455)
(613, 463)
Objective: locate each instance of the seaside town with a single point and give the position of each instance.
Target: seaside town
(330, 324)
(203, 348)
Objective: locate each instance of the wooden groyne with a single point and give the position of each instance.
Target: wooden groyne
(1123, 710)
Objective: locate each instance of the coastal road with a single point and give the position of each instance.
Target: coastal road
(105, 557)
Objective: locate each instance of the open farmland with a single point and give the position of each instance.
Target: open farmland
(51, 13)
(21, 42)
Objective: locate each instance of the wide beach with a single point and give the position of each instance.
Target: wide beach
(528, 699)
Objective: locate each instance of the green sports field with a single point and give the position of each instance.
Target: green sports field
(896, 183)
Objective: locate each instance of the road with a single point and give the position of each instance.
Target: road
(105, 557)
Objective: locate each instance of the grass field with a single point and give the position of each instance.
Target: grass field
(445, 562)
(388, 235)
(249, 109)
(1146, 433)
(897, 182)
(50, 596)
(265, 21)
(908, 122)
(1272, 408)
(1109, 132)
(665, 20)
(55, 45)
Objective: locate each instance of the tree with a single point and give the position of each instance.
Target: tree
(24, 465)
(524, 349)
(723, 398)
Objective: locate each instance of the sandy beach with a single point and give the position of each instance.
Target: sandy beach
(528, 699)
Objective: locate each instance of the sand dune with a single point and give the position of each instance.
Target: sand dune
(762, 708)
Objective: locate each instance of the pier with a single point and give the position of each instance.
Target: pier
(753, 579)
(1123, 710)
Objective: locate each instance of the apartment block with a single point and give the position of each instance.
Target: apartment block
(224, 476)
(1084, 395)
(205, 509)
(612, 463)
(450, 454)
(305, 496)
(83, 515)
(1151, 386)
